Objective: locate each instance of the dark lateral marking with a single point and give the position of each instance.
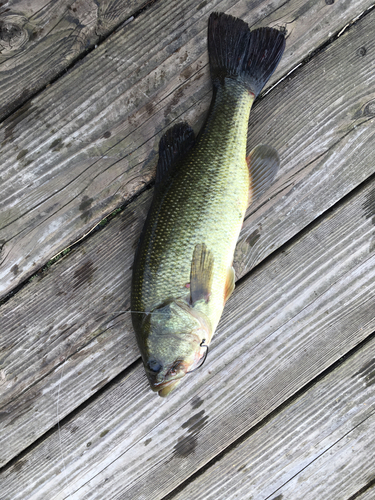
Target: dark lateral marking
(279, 497)
(83, 274)
(148, 441)
(196, 402)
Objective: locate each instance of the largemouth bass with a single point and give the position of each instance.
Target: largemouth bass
(182, 272)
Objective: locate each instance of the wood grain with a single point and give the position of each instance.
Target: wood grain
(40, 39)
(62, 337)
(290, 320)
(87, 144)
(285, 456)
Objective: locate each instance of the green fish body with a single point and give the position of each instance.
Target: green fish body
(182, 272)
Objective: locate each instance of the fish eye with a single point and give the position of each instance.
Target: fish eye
(154, 366)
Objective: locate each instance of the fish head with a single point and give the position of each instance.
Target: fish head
(174, 346)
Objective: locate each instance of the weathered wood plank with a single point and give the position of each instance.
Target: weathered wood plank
(294, 317)
(59, 319)
(367, 495)
(40, 39)
(87, 143)
(279, 459)
(352, 458)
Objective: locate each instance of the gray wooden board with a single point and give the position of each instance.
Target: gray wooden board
(290, 320)
(367, 495)
(40, 39)
(87, 143)
(59, 329)
(302, 452)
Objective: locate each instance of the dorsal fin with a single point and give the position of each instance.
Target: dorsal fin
(175, 143)
(263, 162)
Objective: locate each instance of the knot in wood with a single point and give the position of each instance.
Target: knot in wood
(369, 109)
(13, 34)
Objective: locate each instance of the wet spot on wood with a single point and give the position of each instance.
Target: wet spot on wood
(201, 5)
(176, 97)
(14, 270)
(362, 51)
(196, 402)
(83, 274)
(196, 422)
(85, 207)
(85, 203)
(148, 441)
(22, 154)
(367, 373)
(56, 145)
(185, 446)
(150, 108)
(187, 72)
(253, 238)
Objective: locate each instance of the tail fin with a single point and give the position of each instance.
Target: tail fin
(238, 53)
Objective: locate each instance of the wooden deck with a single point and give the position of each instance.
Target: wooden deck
(284, 407)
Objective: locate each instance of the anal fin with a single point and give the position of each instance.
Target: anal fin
(263, 162)
(229, 284)
(201, 274)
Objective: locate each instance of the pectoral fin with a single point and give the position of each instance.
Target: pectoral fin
(229, 284)
(263, 162)
(201, 274)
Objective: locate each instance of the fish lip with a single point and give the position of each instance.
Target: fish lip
(157, 386)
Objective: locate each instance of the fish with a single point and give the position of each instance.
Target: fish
(183, 267)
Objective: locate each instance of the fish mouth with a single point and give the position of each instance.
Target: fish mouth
(164, 388)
